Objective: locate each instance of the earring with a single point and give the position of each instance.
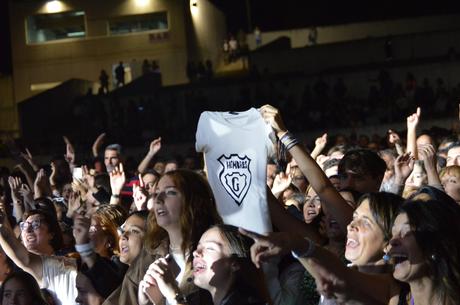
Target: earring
(433, 257)
(386, 258)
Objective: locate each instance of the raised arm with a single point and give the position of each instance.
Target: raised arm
(412, 122)
(117, 180)
(427, 153)
(97, 145)
(320, 143)
(332, 277)
(334, 202)
(155, 146)
(16, 251)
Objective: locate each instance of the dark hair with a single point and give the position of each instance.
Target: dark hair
(51, 221)
(248, 279)
(432, 194)
(29, 283)
(151, 171)
(363, 161)
(437, 234)
(384, 208)
(144, 214)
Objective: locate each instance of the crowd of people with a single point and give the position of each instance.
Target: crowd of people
(353, 223)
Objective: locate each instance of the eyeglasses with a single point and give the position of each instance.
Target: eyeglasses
(25, 225)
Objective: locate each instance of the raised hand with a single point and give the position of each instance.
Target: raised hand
(155, 146)
(159, 273)
(321, 142)
(81, 226)
(15, 186)
(28, 157)
(404, 164)
(70, 151)
(117, 179)
(53, 174)
(272, 116)
(41, 185)
(413, 119)
(98, 143)
(140, 195)
(269, 246)
(75, 205)
(281, 183)
(427, 153)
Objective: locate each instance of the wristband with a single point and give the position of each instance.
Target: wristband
(84, 247)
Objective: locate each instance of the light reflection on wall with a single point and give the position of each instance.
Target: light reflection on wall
(54, 6)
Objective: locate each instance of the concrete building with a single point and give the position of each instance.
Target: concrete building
(53, 41)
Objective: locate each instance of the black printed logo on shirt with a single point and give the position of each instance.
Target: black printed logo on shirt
(235, 176)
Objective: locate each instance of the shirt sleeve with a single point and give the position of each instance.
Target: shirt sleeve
(201, 144)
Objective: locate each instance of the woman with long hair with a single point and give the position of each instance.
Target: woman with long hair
(21, 288)
(221, 265)
(183, 209)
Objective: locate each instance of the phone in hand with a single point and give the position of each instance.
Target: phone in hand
(77, 173)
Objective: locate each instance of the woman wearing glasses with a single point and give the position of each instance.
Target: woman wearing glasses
(42, 238)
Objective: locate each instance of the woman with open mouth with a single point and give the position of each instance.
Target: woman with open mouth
(222, 266)
(183, 209)
(424, 249)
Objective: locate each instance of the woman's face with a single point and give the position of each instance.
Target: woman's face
(168, 202)
(131, 239)
(98, 237)
(16, 293)
(35, 234)
(149, 181)
(211, 261)
(405, 253)
(312, 206)
(451, 186)
(365, 239)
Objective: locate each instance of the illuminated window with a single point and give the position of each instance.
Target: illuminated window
(138, 23)
(48, 27)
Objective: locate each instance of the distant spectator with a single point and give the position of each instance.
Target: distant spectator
(191, 71)
(258, 37)
(146, 67)
(104, 81)
(155, 67)
(201, 71)
(312, 36)
(209, 70)
(233, 44)
(120, 74)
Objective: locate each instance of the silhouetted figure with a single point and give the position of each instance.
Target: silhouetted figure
(388, 49)
(312, 36)
(120, 74)
(191, 71)
(146, 67)
(155, 67)
(104, 81)
(258, 37)
(201, 71)
(209, 70)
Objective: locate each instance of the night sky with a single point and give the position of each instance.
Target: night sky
(287, 14)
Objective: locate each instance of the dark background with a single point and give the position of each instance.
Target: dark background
(285, 14)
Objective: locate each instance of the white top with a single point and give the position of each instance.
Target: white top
(236, 146)
(59, 277)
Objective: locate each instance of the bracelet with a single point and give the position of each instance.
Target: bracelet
(84, 247)
(288, 140)
(311, 249)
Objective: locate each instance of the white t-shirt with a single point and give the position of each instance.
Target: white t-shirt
(59, 277)
(236, 146)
